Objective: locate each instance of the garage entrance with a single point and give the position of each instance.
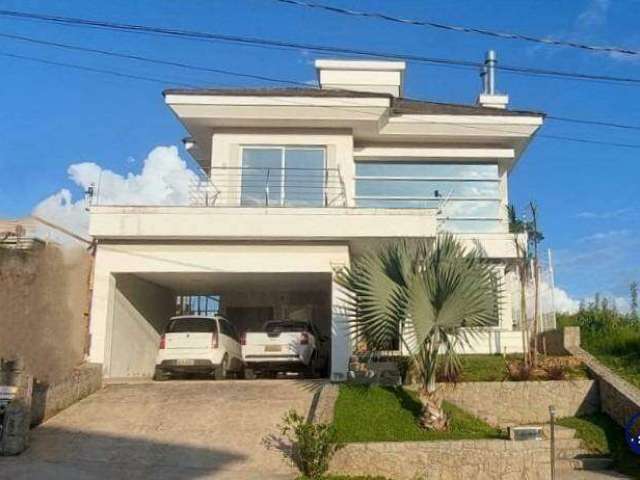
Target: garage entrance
(143, 302)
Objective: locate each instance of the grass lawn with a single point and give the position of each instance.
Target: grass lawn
(378, 414)
(618, 349)
(602, 435)
(491, 368)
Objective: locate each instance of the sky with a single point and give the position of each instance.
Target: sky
(62, 127)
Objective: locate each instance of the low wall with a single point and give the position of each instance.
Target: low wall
(618, 398)
(443, 460)
(518, 403)
(51, 399)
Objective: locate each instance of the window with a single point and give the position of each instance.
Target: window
(228, 329)
(467, 194)
(192, 325)
(283, 176)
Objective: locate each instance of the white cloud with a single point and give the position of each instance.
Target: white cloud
(607, 214)
(564, 303)
(594, 15)
(163, 180)
(600, 236)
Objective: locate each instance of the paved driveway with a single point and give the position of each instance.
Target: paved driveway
(172, 430)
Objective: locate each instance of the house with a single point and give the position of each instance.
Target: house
(298, 182)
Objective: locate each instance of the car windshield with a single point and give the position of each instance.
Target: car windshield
(273, 327)
(192, 324)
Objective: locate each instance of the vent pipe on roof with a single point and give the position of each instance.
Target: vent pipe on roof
(489, 98)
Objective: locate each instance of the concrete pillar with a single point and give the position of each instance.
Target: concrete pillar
(101, 309)
(341, 342)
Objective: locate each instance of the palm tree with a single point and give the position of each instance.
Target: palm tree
(428, 291)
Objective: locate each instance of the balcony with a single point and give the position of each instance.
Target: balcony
(268, 187)
(255, 204)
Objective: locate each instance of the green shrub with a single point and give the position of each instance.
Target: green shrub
(313, 444)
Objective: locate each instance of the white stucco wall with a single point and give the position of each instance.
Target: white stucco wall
(141, 311)
(213, 258)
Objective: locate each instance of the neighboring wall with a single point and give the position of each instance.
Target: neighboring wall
(141, 311)
(518, 403)
(51, 399)
(43, 308)
(482, 459)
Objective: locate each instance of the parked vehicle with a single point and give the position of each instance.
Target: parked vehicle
(199, 344)
(284, 346)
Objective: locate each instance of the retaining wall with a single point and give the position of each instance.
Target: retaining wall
(519, 403)
(51, 399)
(618, 398)
(444, 460)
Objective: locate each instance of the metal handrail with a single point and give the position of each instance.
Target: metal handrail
(237, 186)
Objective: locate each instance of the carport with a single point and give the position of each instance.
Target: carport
(136, 287)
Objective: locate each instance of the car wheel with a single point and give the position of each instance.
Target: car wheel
(222, 369)
(160, 375)
(249, 374)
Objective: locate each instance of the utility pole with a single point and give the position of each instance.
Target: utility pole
(552, 281)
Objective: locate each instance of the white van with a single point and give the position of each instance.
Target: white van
(199, 344)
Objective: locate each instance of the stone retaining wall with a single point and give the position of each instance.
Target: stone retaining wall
(518, 403)
(618, 398)
(51, 399)
(444, 460)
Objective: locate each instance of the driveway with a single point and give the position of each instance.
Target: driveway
(172, 430)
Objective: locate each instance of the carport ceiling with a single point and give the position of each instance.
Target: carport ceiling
(201, 283)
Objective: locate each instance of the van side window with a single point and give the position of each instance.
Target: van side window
(227, 329)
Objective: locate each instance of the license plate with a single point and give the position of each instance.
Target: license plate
(273, 348)
(184, 362)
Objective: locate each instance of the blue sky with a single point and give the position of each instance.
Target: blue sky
(588, 195)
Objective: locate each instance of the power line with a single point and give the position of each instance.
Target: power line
(157, 80)
(261, 42)
(149, 60)
(593, 122)
(94, 70)
(463, 29)
(248, 75)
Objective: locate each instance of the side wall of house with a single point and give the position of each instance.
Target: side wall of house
(141, 311)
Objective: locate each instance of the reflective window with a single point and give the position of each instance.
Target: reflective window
(283, 176)
(467, 194)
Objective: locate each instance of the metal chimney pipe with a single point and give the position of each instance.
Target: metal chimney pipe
(490, 75)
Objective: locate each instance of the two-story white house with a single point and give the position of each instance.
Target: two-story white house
(300, 181)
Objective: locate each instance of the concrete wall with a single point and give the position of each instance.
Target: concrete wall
(519, 403)
(49, 399)
(44, 296)
(141, 311)
(445, 460)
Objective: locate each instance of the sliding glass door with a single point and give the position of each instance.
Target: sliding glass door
(283, 176)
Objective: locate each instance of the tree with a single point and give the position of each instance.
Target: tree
(428, 291)
(633, 288)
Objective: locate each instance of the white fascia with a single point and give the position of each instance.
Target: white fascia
(277, 101)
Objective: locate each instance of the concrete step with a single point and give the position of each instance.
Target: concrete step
(561, 432)
(563, 444)
(584, 463)
(573, 453)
